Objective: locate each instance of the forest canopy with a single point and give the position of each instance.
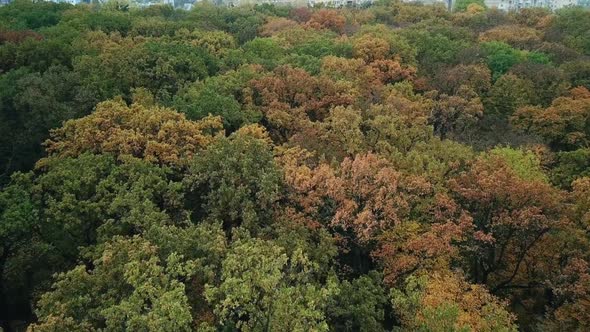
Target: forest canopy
(398, 167)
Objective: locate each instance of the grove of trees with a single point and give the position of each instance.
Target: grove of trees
(393, 168)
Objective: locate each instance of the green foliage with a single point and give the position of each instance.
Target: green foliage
(578, 73)
(129, 287)
(263, 289)
(93, 198)
(235, 181)
(359, 306)
(435, 48)
(208, 101)
(436, 159)
(21, 245)
(323, 45)
(26, 14)
(263, 51)
(32, 104)
(508, 93)
(571, 27)
(221, 95)
(524, 163)
(104, 20)
(310, 63)
(501, 57)
(570, 165)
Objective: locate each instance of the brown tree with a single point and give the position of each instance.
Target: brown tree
(327, 19)
(564, 124)
(512, 216)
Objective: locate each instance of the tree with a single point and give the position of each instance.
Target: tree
(451, 115)
(264, 51)
(370, 196)
(209, 102)
(73, 204)
(155, 134)
(290, 97)
(573, 286)
(577, 73)
(569, 166)
(243, 23)
(514, 35)
(436, 160)
(564, 124)
(524, 163)
(217, 43)
(371, 48)
(359, 305)
(159, 65)
(352, 72)
(263, 289)
(128, 286)
(512, 215)
(462, 5)
(501, 57)
(327, 19)
(18, 223)
(446, 302)
(399, 123)
(391, 71)
(90, 198)
(300, 15)
(235, 181)
(422, 247)
(475, 77)
(27, 14)
(435, 47)
(508, 94)
(221, 95)
(343, 135)
(569, 26)
(276, 25)
(399, 47)
(32, 104)
(548, 82)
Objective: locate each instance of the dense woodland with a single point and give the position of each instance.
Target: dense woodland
(392, 168)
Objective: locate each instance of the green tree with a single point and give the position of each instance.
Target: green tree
(500, 57)
(524, 163)
(569, 166)
(570, 27)
(265, 51)
(23, 14)
(434, 47)
(360, 305)
(235, 181)
(222, 95)
(263, 289)
(20, 246)
(90, 198)
(32, 104)
(509, 93)
(128, 287)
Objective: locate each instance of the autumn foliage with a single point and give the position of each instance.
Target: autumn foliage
(399, 167)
